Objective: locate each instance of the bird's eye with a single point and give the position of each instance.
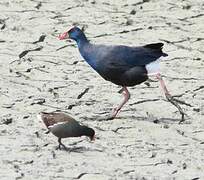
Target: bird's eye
(71, 30)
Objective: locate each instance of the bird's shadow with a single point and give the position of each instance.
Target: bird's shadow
(148, 118)
(153, 119)
(78, 149)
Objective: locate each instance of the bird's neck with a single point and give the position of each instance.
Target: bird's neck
(85, 49)
(85, 131)
(82, 41)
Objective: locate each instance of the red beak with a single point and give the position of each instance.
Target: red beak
(63, 36)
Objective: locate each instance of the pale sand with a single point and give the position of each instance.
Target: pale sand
(130, 147)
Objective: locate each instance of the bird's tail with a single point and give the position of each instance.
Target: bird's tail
(156, 46)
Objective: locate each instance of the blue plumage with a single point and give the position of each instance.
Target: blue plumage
(122, 65)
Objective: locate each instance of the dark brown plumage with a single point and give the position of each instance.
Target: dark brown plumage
(64, 126)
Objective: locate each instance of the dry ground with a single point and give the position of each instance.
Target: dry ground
(145, 142)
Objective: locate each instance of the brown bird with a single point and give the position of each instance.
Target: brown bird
(64, 126)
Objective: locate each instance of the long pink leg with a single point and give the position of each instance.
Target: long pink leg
(126, 98)
(169, 97)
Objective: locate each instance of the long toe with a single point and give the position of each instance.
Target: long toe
(175, 102)
(58, 147)
(113, 115)
(62, 147)
(110, 117)
(182, 118)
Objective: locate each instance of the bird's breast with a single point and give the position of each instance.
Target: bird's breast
(89, 58)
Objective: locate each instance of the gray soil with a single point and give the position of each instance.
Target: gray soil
(146, 141)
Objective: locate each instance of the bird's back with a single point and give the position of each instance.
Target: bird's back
(61, 124)
(129, 56)
(53, 118)
(115, 63)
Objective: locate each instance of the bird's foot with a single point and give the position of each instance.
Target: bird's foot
(58, 147)
(182, 118)
(176, 103)
(114, 114)
(62, 146)
(111, 117)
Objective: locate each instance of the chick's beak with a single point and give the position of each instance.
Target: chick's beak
(64, 35)
(92, 138)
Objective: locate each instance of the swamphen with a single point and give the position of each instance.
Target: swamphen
(122, 65)
(64, 126)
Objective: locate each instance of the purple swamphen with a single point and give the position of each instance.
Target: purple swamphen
(122, 65)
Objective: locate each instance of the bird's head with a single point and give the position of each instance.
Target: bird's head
(89, 132)
(74, 33)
